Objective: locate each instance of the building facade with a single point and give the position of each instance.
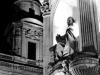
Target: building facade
(30, 36)
(25, 36)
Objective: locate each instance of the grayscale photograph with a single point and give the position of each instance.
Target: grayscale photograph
(50, 37)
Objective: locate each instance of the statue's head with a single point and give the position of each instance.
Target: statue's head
(70, 21)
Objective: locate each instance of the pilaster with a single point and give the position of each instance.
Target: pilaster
(47, 35)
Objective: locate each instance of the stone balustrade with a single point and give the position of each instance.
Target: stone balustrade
(85, 66)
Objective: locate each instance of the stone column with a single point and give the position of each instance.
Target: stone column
(88, 26)
(47, 35)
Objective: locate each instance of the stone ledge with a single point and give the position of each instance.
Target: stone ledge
(20, 60)
(19, 67)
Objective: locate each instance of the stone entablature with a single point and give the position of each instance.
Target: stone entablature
(6, 57)
(32, 21)
(18, 65)
(21, 60)
(32, 32)
(32, 28)
(19, 68)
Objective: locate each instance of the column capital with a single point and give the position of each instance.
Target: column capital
(45, 9)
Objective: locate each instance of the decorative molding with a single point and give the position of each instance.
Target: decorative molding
(29, 1)
(6, 57)
(34, 34)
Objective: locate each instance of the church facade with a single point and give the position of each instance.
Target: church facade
(30, 38)
(25, 37)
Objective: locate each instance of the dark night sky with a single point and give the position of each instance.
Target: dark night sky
(5, 15)
(6, 12)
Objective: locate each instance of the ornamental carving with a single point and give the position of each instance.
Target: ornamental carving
(33, 33)
(45, 9)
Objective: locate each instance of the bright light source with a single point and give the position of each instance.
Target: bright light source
(71, 2)
(59, 73)
(64, 10)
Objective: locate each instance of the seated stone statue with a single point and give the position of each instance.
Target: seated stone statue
(57, 50)
(61, 41)
(63, 47)
(67, 50)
